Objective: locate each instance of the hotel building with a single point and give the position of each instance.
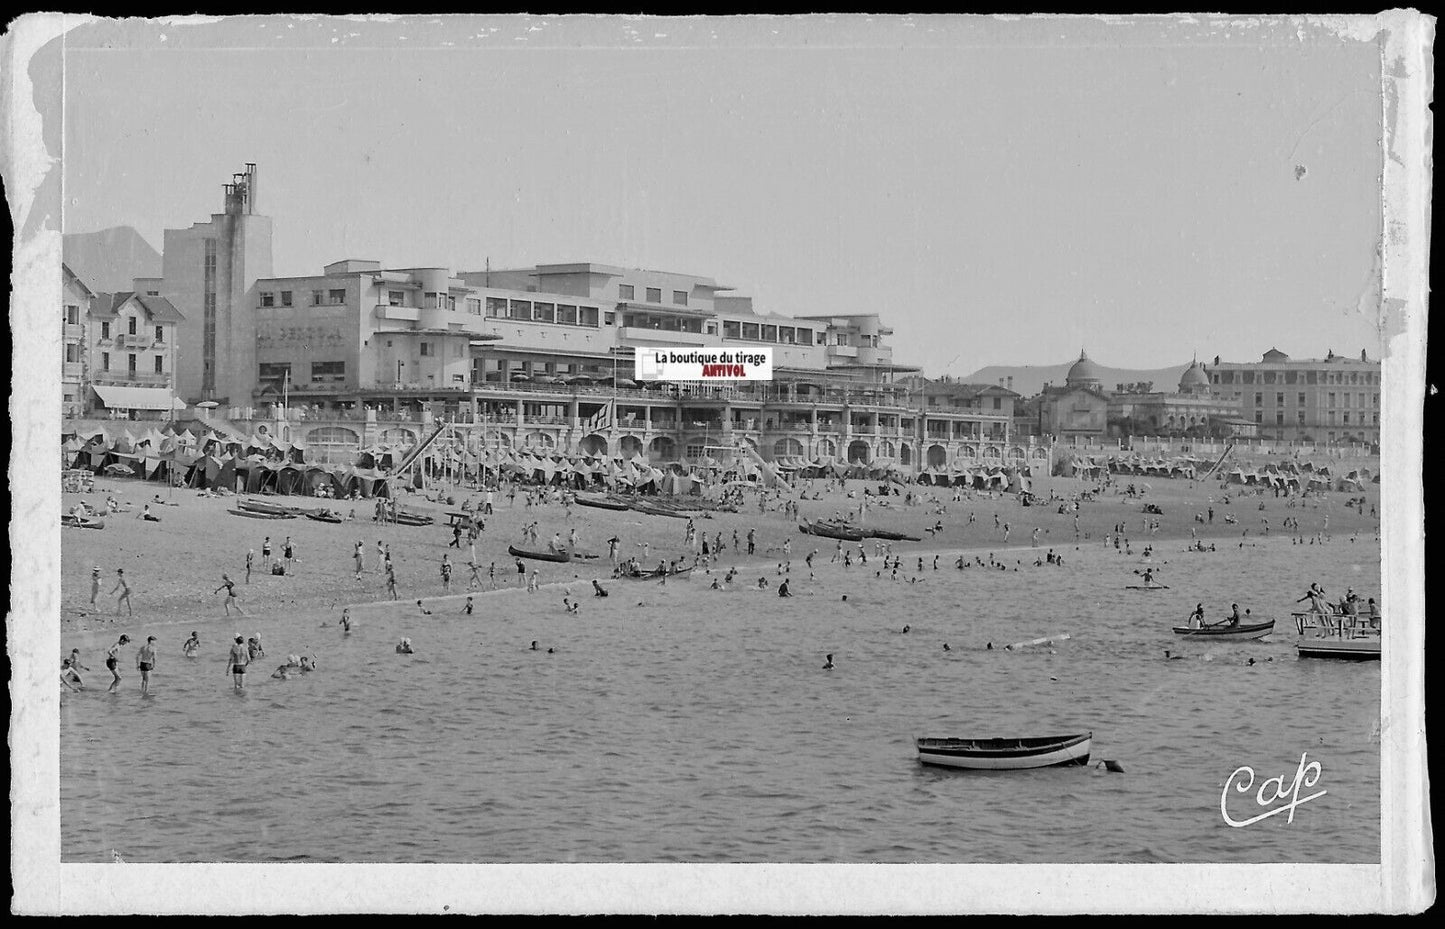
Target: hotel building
(1328, 401)
(133, 355)
(76, 299)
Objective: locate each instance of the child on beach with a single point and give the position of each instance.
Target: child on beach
(94, 584)
(191, 645)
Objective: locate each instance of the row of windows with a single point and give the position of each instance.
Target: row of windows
(322, 372)
(565, 314)
(131, 362)
(160, 331)
(1300, 418)
(1332, 399)
(1293, 377)
(766, 332)
(654, 294)
(336, 297)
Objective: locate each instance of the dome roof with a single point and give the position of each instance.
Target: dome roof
(1084, 371)
(1193, 377)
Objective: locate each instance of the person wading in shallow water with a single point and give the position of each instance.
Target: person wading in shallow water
(236, 662)
(112, 661)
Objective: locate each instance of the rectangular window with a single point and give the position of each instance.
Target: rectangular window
(694, 451)
(1300, 417)
(521, 309)
(72, 314)
(751, 331)
(624, 291)
(1248, 377)
(105, 361)
(458, 349)
(610, 318)
(544, 312)
(679, 297)
(130, 362)
(496, 307)
(425, 349)
(1259, 416)
(805, 337)
(160, 334)
(1332, 400)
(1346, 416)
(1269, 377)
(1300, 399)
(72, 352)
(395, 298)
(132, 324)
(316, 296)
(268, 298)
(285, 298)
(1279, 399)
(732, 329)
(1279, 418)
(770, 334)
(273, 373)
(566, 313)
(654, 295)
(323, 372)
(160, 364)
(451, 303)
(337, 297)
(1259, 399)
(786, 335)
(105, 330)
(474, 306)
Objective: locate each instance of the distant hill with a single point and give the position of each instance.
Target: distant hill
(1030, 379)
(108, 260)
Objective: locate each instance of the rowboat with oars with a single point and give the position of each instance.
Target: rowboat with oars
(1226, 632)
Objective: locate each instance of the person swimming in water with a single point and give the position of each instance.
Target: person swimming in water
(191, 645)
(829, 665)
(404, 647)
(345, 621)
(783, 590)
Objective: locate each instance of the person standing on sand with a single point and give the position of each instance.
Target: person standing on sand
(266, 553)
(112, 661)
(380, 557)
(360, 561)
(290, 554)
(390, 581)
(535, 583)
(229, 586)
(145, 660)
(250, 557)
(492, 575)
(236, 662)
(446, 570)
(124, 588)
(94, 584)
(475, 580)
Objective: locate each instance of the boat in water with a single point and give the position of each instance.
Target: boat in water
(1351, 637)
(1225, 631)
(1006, 754)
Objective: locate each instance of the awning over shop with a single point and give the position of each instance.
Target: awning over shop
(137, 398)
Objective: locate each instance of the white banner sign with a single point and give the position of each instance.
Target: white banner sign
(704, 364)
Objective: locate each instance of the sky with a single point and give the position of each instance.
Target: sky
(1000, 191)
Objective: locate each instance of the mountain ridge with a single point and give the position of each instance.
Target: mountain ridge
(1028, 380)
(109, 260)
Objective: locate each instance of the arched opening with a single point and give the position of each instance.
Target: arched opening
(788, 446)
(628, 446)
(859, 451)
(905, 454)
(937, 456)
(886, 450)
(593, 445)
(827, 448)
(662, 448)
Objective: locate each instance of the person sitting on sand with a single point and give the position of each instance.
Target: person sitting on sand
(597, 589)
(424, 610)
(783, 590)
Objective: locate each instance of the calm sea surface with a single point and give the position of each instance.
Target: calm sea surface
(700, 726)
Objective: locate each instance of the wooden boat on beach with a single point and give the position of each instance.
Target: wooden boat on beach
(831, 531)
(1006, 754)
(82, 522)
(325, 516)
(261, 514)
(1351, 637)
(660, 509)
(655, 575)
(559, 557)
(890, 535)
(1228, 632)
(602, 503)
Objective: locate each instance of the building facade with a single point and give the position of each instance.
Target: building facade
(1192, 410)
(1327, 401)
(208, 274)
(76, 300)
(133, 355)
(1078, 412)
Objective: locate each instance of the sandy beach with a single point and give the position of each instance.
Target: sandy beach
(175, 566)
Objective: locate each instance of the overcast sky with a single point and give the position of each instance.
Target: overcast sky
(1002, 192)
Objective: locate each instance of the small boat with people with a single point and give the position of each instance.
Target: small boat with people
(1223, 630)
(560, 557)
(1006, 754)
(1348, 636)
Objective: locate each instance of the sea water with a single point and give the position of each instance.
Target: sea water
(682, 724)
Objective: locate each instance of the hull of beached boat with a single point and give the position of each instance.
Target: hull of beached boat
(258, 506)
(892, 536)
(82, 522)
(654, 575)
(1365, 648)
(1253, 631)
(1006, 754)
(325, 517)
(257, 514)
(654, 510)
(832, 531)
(602, 503)
(560, 557)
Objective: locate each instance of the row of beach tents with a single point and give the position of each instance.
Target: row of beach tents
(1295, 475)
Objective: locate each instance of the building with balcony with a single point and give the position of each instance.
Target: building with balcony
(1327, 401)
(76, 301)
(132, 355)
(1191, 411)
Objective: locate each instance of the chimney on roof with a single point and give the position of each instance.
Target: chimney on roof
(1362, 355)
(1010, 382)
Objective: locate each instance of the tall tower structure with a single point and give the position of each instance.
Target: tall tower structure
(209, 273)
